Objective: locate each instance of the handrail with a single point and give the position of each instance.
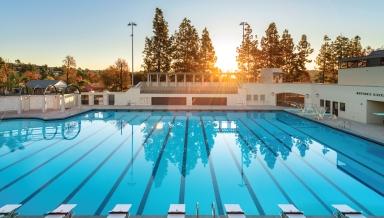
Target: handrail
(197, 210)
(213, 210)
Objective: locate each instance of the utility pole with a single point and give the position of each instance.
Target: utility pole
(132, 24)
(243, 24)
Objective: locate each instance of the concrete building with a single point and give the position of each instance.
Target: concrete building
(359, 95)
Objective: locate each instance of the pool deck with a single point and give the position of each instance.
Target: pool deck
(192, 216)
(370, 131)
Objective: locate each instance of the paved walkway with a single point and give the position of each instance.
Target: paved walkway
(371, 131)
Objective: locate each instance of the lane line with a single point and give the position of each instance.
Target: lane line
(144, 199)
(183, 172)
(316, 170)
(289, 169)
(212, 170)
(80, 186)
(124, 172)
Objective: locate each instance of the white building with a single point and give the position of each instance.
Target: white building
(358, 96)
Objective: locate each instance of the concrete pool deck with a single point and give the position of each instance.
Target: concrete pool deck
(192, 216)
(374, 132)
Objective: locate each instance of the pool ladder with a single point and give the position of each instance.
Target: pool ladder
(213, 208)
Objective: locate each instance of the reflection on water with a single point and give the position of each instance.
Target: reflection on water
(257, 135)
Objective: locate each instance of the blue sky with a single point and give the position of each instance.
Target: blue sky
(95, 32)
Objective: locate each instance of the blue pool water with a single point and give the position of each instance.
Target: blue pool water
(153, 159)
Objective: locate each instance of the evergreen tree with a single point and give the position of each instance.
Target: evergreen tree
(287, 53)
(356, 49)
(326, 62)
(270, 47)
(157, 53)
(340, 47)
(244, 51)
(301, 59)
(207, 53)
(185, 48)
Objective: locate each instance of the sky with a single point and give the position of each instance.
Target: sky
(95, 32)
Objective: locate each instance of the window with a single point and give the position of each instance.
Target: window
(382, 61)
(262, 97)
(249, 97)
(342, 106)
(327, 107)
(98, 100)
(255, 97)
(84, 99)
(111, 99)
(321, 102)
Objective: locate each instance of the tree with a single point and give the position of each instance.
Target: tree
(301, 59)
(157, 50)
(356, 49)
(32, 75)
(248, 54)
(326, 62)
(185, 48)
(122, 66)
(69, 67)
(288, 56)
(116, 77)
(270, 47)
(207, 53)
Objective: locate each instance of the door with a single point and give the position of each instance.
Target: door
(335, 106)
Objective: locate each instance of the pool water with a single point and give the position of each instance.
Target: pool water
(153, 159)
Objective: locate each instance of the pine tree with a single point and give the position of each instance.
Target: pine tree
(326, 63)
(301, 59)
(248, 54)
(207, 53)
(287, 53)
(157, 53)
(356, 49)
(340, 47)
(185, 48)
(270, 47)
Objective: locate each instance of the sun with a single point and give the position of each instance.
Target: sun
(226, 57)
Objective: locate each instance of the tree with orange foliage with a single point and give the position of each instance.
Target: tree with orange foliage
(116, 77)
(32, 75)
(69, 65)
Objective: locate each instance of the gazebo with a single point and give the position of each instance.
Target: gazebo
(40, 86)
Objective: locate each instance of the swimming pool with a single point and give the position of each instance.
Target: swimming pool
(152, 159)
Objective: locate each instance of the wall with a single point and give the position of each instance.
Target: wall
(367, 76)
(9, 103)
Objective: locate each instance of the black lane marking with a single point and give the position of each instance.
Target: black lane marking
(212, 170)
(285, 194)
(333, 163)
(27, 145)
(251, 192)
(78, 188)
(333, 148)
(183, 172)
(28, 156)
(289, 169)
(154, 172)
(45, 162)
(265, 169)
(124, 172)
(46, 184)
(316, 170)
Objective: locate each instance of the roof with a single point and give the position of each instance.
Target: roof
(42, 84)
(373, 54)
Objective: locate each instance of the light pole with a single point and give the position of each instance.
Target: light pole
(132, 24)
(243, 24)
